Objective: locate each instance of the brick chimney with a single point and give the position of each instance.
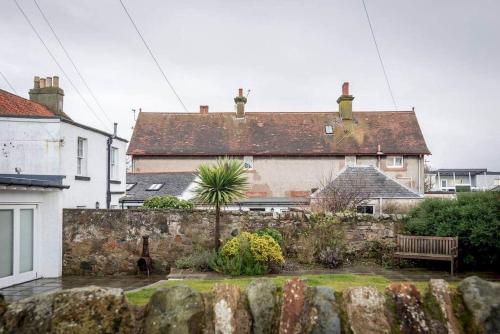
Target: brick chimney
(46, 91)
(345, 102)
(240, 101)
(203, 109)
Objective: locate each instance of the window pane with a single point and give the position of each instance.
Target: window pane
(6, 243)
(26, 241)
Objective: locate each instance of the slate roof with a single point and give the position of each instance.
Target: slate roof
(372, 183)
(40, 181)
(173, 184)
(13, 105)
(275, 133)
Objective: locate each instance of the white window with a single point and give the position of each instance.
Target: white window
(114, 163)
(248, 161)
(130, 186)
(444, 183)
(350, 160)
(81, 160)
(155, 186)
(395, 161)
(329, 129)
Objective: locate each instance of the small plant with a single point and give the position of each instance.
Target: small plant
(185, 262)
(273, 233)
(198, 260)
(167, 202)
(331, 257)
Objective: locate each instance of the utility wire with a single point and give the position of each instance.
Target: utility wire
(59, 65)
(7, 81)
(72, 62)
(379, 56)
(153, 56)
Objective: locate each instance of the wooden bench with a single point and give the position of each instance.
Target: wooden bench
(428, 248)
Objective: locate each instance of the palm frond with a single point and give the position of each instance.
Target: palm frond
(221, 183)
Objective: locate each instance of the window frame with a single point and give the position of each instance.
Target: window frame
(446, 183)
(113, 164)
(248, 159)
(81, 157)
(365, 206)
(329, 129)
(391, 161)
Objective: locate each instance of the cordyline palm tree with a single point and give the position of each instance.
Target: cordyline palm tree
(220, 184)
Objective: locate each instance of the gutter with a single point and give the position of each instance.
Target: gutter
(109, 141)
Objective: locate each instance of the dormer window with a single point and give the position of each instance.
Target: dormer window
(329, 129)
(395, 161)
(155, 187)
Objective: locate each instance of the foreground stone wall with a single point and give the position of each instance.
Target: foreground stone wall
(263, 308)
(109, 242)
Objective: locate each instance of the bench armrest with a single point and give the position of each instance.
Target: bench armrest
(454, 250)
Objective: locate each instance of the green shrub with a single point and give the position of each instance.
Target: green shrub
(273, 233)
(198, 260)
(247, 254)
(167, 202)
(473, 217)
(322, 241)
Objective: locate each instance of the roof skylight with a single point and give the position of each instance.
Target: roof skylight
(155, 186)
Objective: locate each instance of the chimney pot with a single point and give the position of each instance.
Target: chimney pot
(203, 109)
(345, 88)
(240, 92)
(46, 91)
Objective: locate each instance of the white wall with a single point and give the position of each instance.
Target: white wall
(83, 193)
(48, 251)
(49, 147)
(30, 144)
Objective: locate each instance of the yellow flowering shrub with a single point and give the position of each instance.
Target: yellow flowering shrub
(263, 248)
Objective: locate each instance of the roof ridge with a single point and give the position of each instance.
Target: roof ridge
(272, 112)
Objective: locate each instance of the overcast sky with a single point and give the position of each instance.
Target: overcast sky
(442, 57)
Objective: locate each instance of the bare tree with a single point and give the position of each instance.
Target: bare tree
(342, 194)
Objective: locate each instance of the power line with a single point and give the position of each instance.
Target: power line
(72, 62)
(379, 56)
(7, 81)
(153, 56)
(59, 65)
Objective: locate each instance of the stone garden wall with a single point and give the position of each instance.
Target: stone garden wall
(109, 242)
(263, 308)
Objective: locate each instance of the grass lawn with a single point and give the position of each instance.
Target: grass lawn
(338, 282)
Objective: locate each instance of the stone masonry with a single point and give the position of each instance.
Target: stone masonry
(109, 242)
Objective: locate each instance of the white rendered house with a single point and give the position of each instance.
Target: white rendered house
(49, 162)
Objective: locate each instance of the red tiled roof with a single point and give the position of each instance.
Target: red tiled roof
(13, 105)
(279, 133)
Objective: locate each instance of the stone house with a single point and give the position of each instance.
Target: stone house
(48, 162)
(287, 154)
